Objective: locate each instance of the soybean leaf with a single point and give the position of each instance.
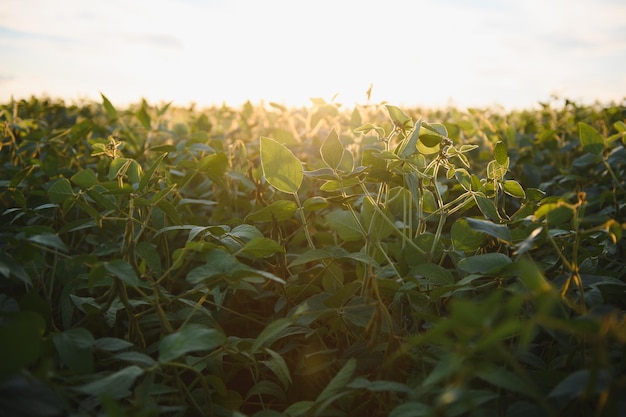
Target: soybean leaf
(191, 338)
(590, 139)
(60, 191)
(503, 378)
(108, 107)
(125, 272)
(85, 178)
(269, 334)
(279, 367)
(500, 153)
(280, 166)
(339, 381)
(261, 247)
(49, 240)
(116, 385)
(499, 231)
(277, 211)
(74, 347)
(344, 224)
(487, 263)
(464, 237)
(332, 150)
(514, 189)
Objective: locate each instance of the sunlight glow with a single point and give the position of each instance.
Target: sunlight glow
(423, 52)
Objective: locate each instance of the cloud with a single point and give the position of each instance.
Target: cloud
(158, 40)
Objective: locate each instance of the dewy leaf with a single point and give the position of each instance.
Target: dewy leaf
(332, 150)
(116, 385)
(280, 166)
(590, 139)
(191, 338)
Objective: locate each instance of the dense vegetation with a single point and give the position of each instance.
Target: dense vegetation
(322, 261)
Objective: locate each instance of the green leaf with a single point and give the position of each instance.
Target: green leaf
(408, 146)
(269, 333)
(590, 139)
(49, 240)
(74, 347)
(112, 344)
(398, 117)
(279, 367)
(514, 189)
(214, 166)
(332, 150)
(345, 225)
(412, 409)
(21, 335)
(503, 378)
(434, 274)
(191, 338)
(117, 385)
(338, 382)
(261, 247)
(499, 231)
(487, 207)
(125, 272)
(464, 178)
(277, 211)
(85, 178)
(300, 408)
(108, 107)
(143, 116)
(136, 358)
(315, 203)
(149, 254)
(280, 166)
(580, 382)
(500, 153)
(60, 191)
(145, 179)
(464, 237)
(488, 263)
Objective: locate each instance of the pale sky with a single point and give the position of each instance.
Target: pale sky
(512, 53)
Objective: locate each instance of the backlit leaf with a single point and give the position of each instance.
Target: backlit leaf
(590, 139)
(332, 150)
(281, 168)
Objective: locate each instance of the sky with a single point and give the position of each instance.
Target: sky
(508, 53)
